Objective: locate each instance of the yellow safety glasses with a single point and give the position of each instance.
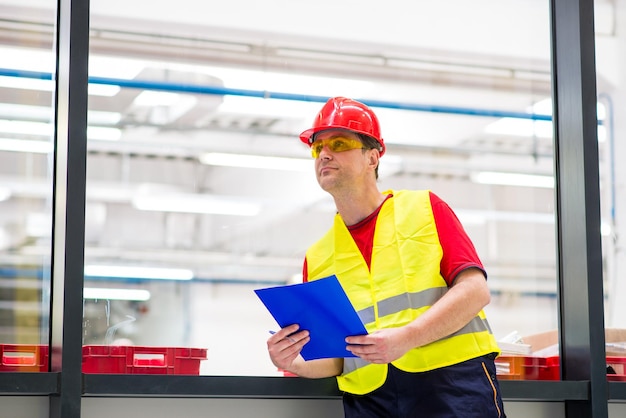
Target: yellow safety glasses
(336, 144)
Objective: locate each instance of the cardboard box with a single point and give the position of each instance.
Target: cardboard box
(547, 343)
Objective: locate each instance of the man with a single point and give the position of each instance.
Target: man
(412, 274)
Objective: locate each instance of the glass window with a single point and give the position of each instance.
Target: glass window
(610, 46)
(199, 190)
(26, 145)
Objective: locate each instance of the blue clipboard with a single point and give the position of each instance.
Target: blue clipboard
(321, 307)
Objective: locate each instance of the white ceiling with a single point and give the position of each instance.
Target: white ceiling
(469, 56)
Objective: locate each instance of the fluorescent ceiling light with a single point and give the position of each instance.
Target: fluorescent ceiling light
(601, 133)
(257, 161)
(5, 193)
(136, 272)
(44, 113)
(542, 107)
(23, 83)
(28, 59)
(526, 127)
(100, 117)
(18, 111)
(116, 294)
(25, 127)
(38, 224)
(512, 179)
(191, 203)
(104, 90)
(103, 133)
(270, 108)
(605, 229)
(529, 128)
(115, 67)
(46, 129)
(156, 98)
(521, 127)
(25, 145)
(165, 107)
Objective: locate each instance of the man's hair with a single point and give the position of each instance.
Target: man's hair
(370, 143)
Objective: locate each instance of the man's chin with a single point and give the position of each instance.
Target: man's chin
(325, 183)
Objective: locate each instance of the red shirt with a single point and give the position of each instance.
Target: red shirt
(458, 251)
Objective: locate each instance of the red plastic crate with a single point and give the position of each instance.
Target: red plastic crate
(618, 364)
(142, 360)
(23, 358)
(548, 368)
(542, 368)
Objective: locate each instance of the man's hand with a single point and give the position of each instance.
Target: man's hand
(285, 346)
(380, 347)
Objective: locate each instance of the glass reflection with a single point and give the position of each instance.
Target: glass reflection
(610, 46)
(26, 145)
(177, 101)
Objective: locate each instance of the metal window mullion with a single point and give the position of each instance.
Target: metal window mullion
(69, 177)
(581, 312)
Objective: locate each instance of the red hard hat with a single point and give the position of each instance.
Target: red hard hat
(344, 113)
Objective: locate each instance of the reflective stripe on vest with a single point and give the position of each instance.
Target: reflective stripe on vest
(401, 302)
(415, 301)
(477, 324)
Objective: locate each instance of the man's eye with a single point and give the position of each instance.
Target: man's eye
(337, 145)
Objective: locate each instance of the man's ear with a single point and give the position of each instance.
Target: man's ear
(374, 157)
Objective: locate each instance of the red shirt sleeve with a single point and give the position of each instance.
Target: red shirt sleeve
(458, 250)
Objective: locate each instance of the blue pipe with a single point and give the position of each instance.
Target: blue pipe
(263, 94)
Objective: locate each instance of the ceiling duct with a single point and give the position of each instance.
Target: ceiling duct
(202, 45)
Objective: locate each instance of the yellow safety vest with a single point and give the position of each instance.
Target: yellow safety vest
(403, 282)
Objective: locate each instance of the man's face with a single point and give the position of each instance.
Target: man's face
(340, 161)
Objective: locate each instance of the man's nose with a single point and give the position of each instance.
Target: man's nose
(325, 152)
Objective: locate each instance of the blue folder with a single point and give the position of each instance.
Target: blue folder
(321, 307)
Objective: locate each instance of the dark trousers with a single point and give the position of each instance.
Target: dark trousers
(465, 390)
